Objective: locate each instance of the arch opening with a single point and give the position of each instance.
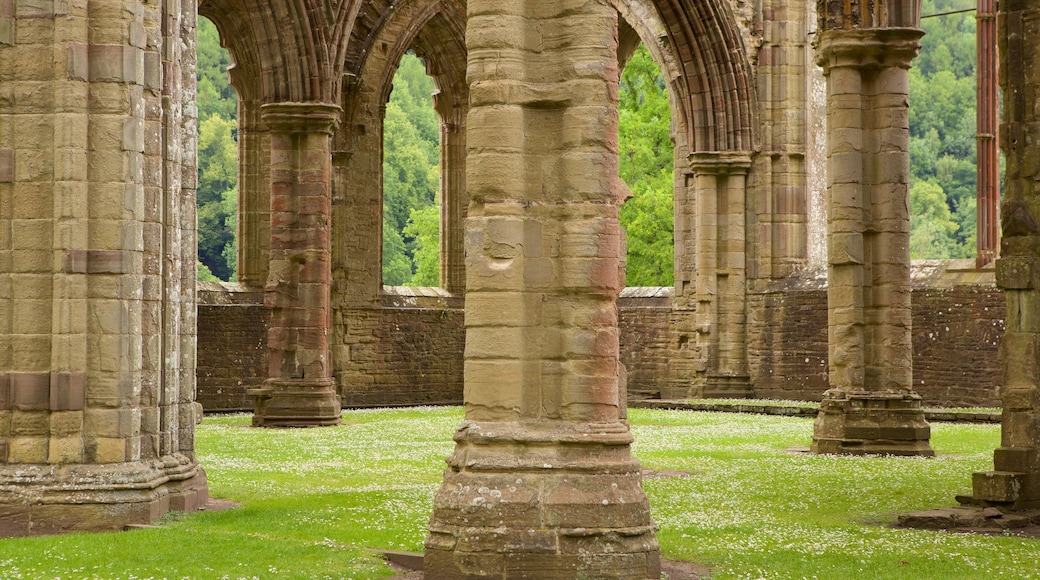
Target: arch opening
(217, 193)
(411, 184)
(646, 155)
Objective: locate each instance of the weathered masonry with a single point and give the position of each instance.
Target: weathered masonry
(792, 276)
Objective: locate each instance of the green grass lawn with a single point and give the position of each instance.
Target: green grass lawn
(315, 502)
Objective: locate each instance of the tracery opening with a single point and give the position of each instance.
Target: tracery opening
(646, 164)
(411, 179)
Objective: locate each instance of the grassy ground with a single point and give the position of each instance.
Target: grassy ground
(316, 500)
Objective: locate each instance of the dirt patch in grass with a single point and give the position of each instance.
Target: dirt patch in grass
(670, 570)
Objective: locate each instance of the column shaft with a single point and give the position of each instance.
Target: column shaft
(542, 482)
(1015, 480)
(871, 406)
(299, 390)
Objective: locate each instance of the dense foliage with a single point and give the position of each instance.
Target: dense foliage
(645, 162)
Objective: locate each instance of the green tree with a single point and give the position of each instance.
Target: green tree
(645, 161)
(424, 227)
(215, 95)
(931, 223)
(217, 191)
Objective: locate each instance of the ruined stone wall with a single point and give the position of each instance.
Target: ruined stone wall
(232, 344)
(956, 336)
(787, 343)
(412, 354)
(408, 352)
(645, 339)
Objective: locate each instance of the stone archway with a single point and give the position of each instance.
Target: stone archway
(416, 334)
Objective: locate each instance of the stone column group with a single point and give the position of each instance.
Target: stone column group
(1015, 479)
(865, 53)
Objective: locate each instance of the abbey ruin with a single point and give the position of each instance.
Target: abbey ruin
(792, 270)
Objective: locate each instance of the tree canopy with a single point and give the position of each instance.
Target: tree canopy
(411, 179)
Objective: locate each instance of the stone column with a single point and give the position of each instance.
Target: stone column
(254, 204)
(721, 274)
(1015, 480)
(452, 193)
(542, 483)
(871, 406)
(299, 390)
(97, 166)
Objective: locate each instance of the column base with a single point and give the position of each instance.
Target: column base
(547, 501)
(1013, 484)
(296, 403)
(727, 387)
(40, 500)
(871, 424)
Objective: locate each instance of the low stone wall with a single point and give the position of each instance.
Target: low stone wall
(643, 328)
(232, 344)
(787, 343)
(406, 351)
(408, 348)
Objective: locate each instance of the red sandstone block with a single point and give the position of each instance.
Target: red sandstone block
(67, 391)
(30, 391)
(6, 165)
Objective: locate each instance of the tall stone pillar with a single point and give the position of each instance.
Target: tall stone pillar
(97, 265)
(871, 407)
(299, 390)
(452, 193)
(254, 193)
(1015, 480)
(721, 279)
(542, 483)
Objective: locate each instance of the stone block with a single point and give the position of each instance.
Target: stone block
(15, 521)
(27, 450)
(66, 423)
(997, 486)
(5, 391)
(106, 449)
(6, 165)
(68, 391)
(30, 391)
(77, 62)
(114, 63)
(29, 423)
(63, 450)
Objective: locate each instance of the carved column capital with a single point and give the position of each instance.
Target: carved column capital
(719, 162)
(301, 117)
(867, 47)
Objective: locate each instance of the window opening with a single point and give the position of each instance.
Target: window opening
(411, 179)
(217, 193)
(646, 163)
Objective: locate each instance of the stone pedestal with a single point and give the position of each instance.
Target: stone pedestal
(1015, 480)
(865, 52)
(542, 483)
(299, 391)
(871, 423)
